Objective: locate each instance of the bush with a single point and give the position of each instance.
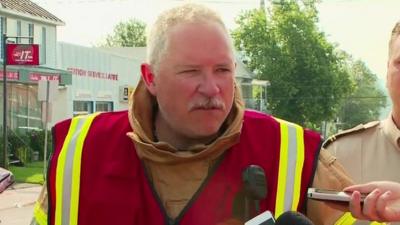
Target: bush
(22, 145)
(37, 142)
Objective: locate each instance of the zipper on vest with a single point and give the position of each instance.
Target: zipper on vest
(176, 221)
(172, 221)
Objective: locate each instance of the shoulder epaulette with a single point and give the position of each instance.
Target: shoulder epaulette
(356, 129)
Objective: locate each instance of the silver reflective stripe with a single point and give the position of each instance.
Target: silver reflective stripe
(67, 179)
(291, 166)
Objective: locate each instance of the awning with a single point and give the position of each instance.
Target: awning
(32, 74)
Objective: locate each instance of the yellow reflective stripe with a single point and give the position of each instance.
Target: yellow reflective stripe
(60, 172)
(290, 167)
(299, 167)
(39, 214)
(68, 171)
(76, 171)
(348, 219)
(283, 161)
(377, 223)
(345, 219)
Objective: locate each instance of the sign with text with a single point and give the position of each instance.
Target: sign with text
(22, 54)
(11, 75)
(40, 76)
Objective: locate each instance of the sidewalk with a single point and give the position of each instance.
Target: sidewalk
(16, 204)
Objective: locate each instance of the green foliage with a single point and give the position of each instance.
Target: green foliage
(308, 78)
(366, 100)
(127, 34)
(36, 140)
(30, 173)
(23, 144)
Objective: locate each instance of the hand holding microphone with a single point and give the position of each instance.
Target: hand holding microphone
(381, 204)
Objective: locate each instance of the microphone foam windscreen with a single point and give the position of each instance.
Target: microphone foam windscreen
(293, 218)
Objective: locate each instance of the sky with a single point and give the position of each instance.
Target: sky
(360, 27)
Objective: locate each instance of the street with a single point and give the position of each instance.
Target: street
(16, 204)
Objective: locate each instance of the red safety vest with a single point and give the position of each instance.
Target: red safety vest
(96, 177)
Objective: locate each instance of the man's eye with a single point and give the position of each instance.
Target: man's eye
(188, 71)
(223, 70)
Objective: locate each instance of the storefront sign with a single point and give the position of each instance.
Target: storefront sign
(42, 76)
(93, 74)
(11, 75)
(22, 54)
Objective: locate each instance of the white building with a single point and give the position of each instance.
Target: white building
(19, 20)
(100, 81)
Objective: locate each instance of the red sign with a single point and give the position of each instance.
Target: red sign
(40, 76)
(22, 54)
(10, 75)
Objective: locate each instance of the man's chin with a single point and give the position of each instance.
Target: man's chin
(206, 133)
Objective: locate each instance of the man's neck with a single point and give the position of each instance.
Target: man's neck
(163, 132)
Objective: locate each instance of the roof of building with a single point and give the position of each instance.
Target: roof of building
(29, 8)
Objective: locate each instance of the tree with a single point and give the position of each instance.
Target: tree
(366, 100)
(308, 78)
(127, 34)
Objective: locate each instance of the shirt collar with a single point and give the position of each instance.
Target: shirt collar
(391, 131)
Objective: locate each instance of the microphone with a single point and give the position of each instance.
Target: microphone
(293, 218)
(255, 189)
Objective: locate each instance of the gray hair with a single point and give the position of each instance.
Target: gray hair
(393, 36)
(158, 36)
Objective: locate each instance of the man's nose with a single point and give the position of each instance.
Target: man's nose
(209, 85)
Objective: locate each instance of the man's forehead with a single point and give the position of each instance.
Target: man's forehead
(197, 65)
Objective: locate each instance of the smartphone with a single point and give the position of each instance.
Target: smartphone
(264, 218)
(330, 195)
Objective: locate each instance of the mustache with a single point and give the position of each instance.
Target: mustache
(207, 103)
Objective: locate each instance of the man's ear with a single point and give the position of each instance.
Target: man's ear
(148, 78)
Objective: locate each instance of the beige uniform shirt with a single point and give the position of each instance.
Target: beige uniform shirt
(369, 152)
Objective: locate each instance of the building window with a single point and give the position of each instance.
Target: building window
(103, 106)
(25, 112)
(3, 30)
(82, 107)
(30, 32)
(18, 39)
(42, 52)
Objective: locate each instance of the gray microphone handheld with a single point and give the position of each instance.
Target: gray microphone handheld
(255, 188)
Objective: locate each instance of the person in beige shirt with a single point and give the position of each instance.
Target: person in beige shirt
(371, 152)
(178, 149)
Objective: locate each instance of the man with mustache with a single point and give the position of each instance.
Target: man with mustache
(178, 155)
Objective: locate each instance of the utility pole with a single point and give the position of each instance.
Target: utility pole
(5, 142)
(262, 4)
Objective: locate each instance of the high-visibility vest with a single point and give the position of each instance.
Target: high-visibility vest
(96, 177)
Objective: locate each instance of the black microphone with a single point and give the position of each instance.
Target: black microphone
(255, 189)
(293, 218)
